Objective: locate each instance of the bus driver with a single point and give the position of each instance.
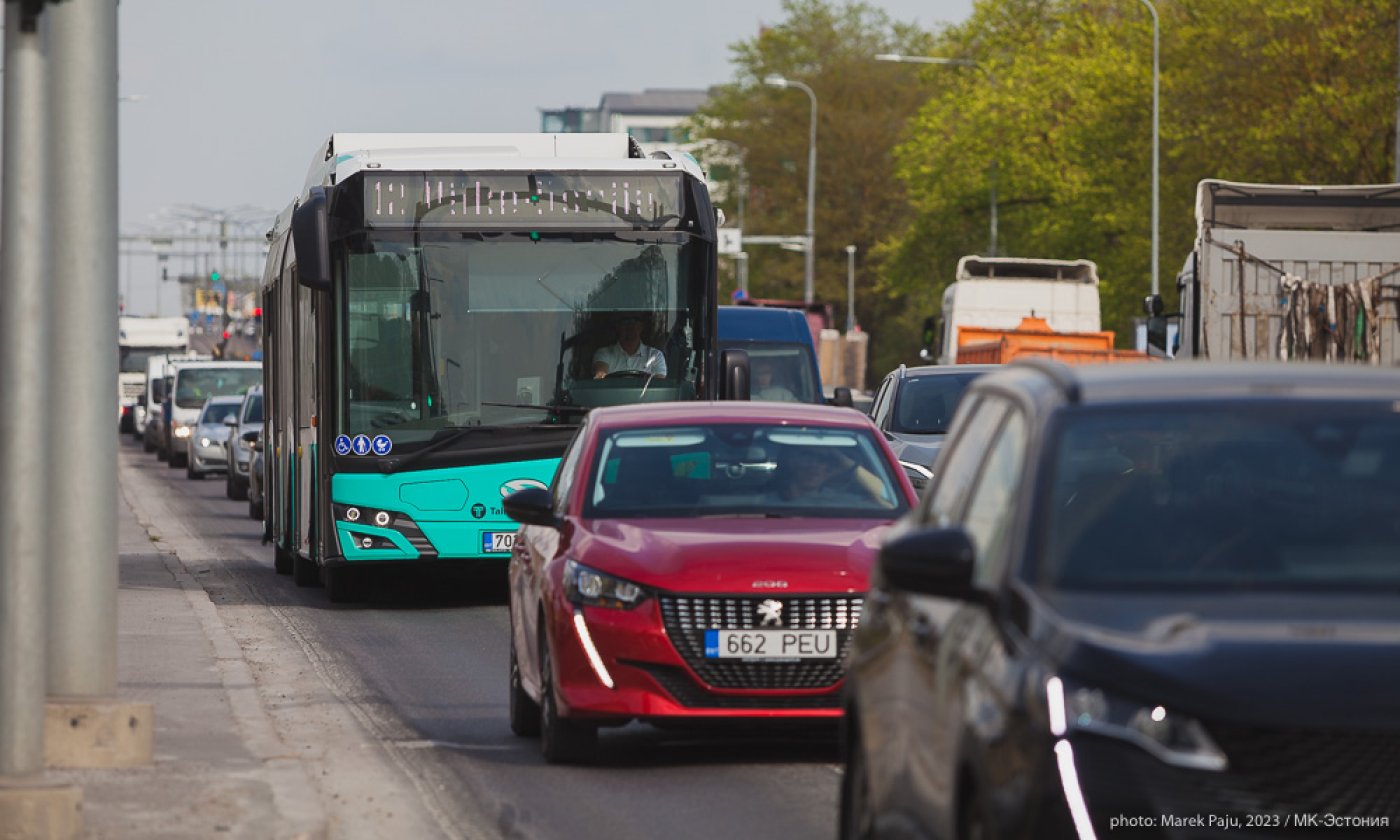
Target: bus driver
(628, 353)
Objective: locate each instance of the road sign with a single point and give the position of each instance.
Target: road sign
(731, 240)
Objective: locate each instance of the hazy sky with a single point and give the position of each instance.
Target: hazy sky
(231, 99)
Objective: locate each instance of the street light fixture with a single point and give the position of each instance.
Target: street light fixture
(959, 62)
(808, 279)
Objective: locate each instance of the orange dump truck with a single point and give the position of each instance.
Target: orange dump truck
(1033, 337)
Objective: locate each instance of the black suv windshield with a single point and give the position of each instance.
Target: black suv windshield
(1262, 494)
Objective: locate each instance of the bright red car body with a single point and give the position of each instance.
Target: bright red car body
(664, 577)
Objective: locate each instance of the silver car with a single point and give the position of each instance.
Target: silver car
(204, 447)
(255, 482)
(242, 430)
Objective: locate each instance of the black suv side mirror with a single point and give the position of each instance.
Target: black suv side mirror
(930, 562)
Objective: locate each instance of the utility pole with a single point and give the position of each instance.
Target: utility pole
(81, 508)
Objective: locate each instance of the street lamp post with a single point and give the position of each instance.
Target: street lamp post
(959, 62)
(850, 288)
(1156, 143)
(808, 279)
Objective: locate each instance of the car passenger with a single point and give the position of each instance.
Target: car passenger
(764, 386)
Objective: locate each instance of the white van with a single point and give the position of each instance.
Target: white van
(189, 384)
(148, 413)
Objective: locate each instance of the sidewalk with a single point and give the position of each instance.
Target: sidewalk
(220, 769)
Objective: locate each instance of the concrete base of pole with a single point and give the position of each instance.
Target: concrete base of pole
(87, 732)
(32, 809)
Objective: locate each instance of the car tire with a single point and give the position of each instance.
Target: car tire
(562, 741)
(856, 820)
(173, 462)
(234, 488)
(281, 560)
(524, 711)
(975, 821)
(192, 474)
(148, 444)
(343, 584)
(304, 570)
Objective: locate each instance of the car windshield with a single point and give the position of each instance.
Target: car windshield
(216, 412)
(253, 413)
(925, 404)
(780, 372)
(1258, 495)
(742, 470)
(195, 385)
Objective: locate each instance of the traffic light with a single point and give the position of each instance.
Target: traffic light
(213, 277)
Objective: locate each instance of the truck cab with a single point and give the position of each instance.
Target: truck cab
(998, 292)
(782, 359)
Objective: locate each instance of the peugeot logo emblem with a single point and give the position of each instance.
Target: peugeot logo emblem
(520, 484)
(771, 612)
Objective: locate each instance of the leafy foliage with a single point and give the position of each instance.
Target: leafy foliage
(1057, 117)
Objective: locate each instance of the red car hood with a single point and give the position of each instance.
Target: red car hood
(734, 555)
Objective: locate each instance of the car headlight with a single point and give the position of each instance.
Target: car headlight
(1171, 737)
(587, 586)
(180, 430)
(204, 441)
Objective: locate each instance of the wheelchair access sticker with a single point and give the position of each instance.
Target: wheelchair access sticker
(363, 445)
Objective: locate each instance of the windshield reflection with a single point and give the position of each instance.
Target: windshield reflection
(447, 330)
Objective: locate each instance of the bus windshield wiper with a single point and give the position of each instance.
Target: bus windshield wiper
(449, 436)
(577, 409)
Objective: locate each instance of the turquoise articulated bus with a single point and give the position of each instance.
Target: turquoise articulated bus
(435, 307)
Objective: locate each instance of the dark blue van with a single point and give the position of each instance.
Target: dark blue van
(782, 360)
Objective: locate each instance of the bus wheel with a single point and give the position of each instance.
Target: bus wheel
(342, 583)
(304, 570)
(281, 560)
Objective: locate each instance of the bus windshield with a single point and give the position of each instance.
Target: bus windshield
(447, 329)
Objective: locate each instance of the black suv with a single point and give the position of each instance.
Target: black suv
(913, 407)
(1159, 597)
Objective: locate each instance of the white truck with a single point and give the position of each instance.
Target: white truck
(138, 339)
(1289, 272)
(997, 292)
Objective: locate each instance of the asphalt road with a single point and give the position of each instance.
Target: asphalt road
(422, 668)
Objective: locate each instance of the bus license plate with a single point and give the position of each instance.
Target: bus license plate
(497, 542)
(770, 644)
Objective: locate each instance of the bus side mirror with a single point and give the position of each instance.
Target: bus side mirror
(312, 240)
(734, 372)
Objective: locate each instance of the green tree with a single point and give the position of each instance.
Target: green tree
(1292, 91)
(863, 107)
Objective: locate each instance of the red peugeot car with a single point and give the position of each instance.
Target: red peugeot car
(697, 560)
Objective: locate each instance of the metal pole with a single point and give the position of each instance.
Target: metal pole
(23, 380)
(82, 497)
(809, 275)
(1156, 139)
(1396, 175)
(743, 260)
(850, 288)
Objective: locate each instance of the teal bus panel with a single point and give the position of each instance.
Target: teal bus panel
(449, 513)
